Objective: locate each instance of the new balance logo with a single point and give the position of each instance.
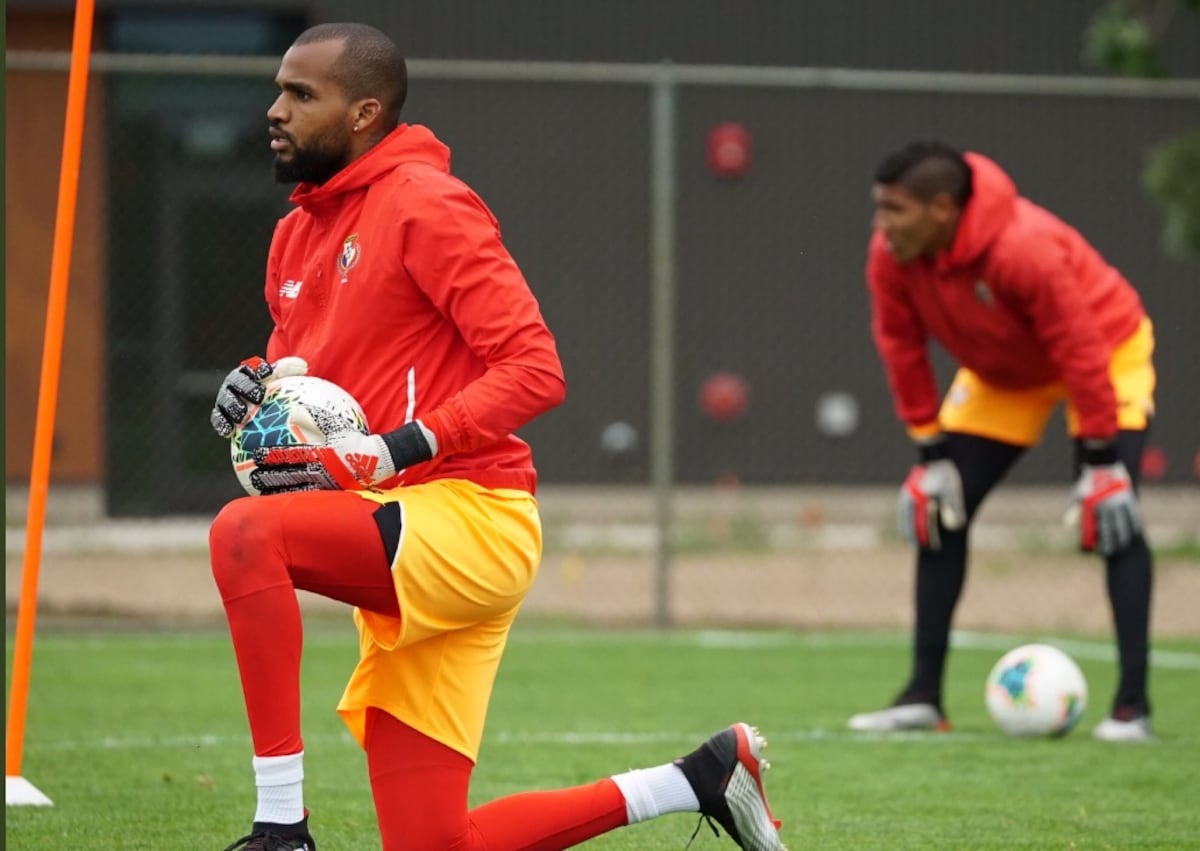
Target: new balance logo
(290, 289)
(362, 466)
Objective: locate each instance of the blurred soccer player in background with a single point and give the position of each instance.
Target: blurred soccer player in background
(1033, 316)
(389, 278)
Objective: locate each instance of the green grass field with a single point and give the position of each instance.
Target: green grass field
(140, 740)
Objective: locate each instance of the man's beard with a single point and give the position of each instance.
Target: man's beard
(308, 165)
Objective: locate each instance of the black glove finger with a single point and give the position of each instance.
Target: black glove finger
(221, 422)
(245, 384)
(305, 488)
(231, 405)
(276, 478)
(306, 476)
(257, 368)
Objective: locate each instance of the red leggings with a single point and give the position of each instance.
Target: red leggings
(327, 542)
(262, 550)
(420, 789)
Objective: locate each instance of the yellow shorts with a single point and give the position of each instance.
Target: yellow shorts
(467, 557)
(972, 406)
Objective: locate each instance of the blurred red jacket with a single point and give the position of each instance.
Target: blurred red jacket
(1020, 298)
(390, 279)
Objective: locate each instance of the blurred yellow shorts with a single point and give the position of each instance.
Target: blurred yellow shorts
(972, 406)
(467, 557)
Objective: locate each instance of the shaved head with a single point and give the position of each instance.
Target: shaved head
(369, 66)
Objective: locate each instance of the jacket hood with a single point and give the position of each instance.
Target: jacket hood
(989, 209)
(406, 144)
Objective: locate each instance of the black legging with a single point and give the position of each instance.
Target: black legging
(982, 463)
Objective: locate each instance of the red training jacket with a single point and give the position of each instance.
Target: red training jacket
(391, 280)
(1020, 298)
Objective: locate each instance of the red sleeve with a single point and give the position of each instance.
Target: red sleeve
(1040, 277)
(454, 253)
(901, 341)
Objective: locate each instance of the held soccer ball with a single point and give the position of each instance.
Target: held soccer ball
(1036, 690)
(288, 416)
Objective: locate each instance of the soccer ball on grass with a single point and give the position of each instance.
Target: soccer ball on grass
(1036, 690)
(288, 416)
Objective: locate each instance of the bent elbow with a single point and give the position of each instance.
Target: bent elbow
(553, 391)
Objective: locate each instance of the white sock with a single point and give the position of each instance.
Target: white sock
(652, 792)
(280, 781)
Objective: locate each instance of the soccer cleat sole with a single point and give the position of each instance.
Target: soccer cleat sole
(757, 828)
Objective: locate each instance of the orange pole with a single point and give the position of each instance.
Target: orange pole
(56, 310)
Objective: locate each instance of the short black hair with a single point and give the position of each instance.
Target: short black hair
(926, 169)
(371, 65)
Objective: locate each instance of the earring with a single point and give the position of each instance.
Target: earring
(355, 128)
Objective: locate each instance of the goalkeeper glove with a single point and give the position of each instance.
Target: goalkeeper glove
(933, 491)
(349, 459)
(1103, 502)
(246, 385)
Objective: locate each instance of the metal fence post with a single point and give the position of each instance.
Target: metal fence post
(662, 327)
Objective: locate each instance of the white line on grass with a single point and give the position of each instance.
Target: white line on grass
(1180, 660)
(814, 735)
(771, 639)
(725, 639)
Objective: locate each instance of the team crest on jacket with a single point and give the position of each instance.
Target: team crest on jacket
(984, 293)
(351, 253)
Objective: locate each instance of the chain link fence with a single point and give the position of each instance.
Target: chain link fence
(656, 274)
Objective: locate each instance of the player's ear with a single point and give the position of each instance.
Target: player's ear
(364, 113)
(943, 207)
